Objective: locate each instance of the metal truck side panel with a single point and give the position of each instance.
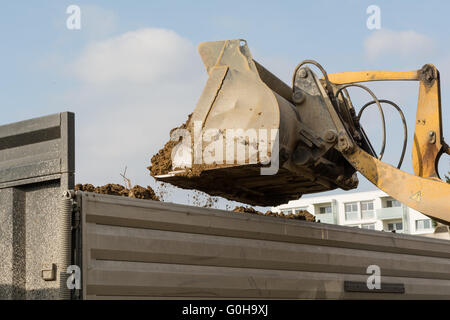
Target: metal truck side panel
(145, 249)
(36, 166)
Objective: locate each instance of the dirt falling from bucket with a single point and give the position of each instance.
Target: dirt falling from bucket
(201, 199)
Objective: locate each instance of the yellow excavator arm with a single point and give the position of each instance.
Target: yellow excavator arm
(423, 191)
(310, 131)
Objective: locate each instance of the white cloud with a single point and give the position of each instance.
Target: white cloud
(401, 44)
(142, 56)
(132, 90)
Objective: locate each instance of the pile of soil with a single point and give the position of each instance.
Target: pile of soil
(148, 194)
(300, 215)
(162, 161)
(119, 190)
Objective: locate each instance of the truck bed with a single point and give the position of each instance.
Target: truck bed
(135, 248)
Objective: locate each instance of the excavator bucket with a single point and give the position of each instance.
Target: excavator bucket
(247, 140)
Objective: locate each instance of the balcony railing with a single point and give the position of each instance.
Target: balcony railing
(390, 213)
(325, 218)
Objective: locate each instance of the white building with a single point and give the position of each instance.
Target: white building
(374, 210)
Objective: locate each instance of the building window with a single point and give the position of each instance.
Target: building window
(370, 226)
(397, 226)
(325, 209)
(423, 224)
(393, 203)
(299, 210)
(351, 211)
(286, 211)
(367, 211)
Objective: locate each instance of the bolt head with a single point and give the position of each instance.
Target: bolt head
(298, 97)
(330, 136)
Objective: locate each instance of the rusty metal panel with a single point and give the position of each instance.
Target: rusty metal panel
(145, 249)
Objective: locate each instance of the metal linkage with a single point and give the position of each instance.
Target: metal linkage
(341, 88)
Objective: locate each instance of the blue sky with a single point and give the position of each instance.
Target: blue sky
(47, 68)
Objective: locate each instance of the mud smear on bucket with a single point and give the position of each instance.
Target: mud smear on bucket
(162, 161)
